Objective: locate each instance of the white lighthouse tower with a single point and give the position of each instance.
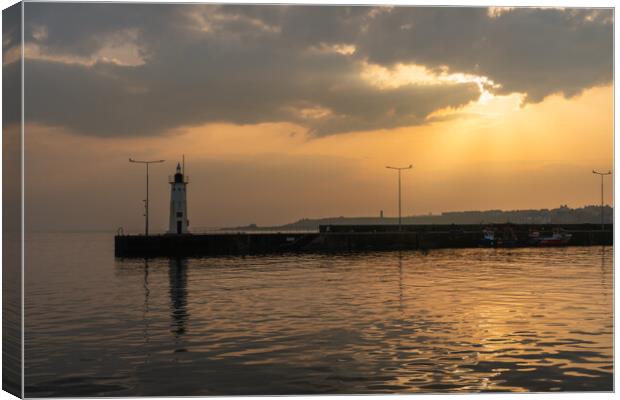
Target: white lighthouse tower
(178, 203)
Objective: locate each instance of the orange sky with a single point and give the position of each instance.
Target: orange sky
(492, 154)
(289, 112)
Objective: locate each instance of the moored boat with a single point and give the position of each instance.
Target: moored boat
(501, 236)
(557, 237)
(488, 238)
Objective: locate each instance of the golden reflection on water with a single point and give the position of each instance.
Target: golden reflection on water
(449, 320)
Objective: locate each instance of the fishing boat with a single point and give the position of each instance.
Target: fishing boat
(488, 237)
(557, 237)
(499, 236)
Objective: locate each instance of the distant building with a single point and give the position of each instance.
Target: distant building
(178, 204)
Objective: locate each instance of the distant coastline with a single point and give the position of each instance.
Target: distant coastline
(560, 215)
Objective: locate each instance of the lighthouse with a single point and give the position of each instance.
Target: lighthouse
(178, 203)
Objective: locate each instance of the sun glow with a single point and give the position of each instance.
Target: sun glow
(411, 74)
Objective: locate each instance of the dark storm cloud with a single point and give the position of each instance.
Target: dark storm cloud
(533, 51)
(82, 29)
(252, 64)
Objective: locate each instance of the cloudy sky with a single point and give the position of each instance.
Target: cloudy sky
(285, 112)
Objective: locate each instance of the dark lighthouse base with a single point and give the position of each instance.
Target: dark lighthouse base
(341, 238)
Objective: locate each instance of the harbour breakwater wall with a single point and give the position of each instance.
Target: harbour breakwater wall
(343, 238)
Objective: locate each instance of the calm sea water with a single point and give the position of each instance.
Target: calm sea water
(447, 320)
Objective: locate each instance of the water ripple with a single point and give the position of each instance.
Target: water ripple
(444, 321)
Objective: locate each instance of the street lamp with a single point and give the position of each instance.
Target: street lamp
(602, 174)
(399, 196)
(146, 202)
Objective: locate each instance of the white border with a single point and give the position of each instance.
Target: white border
(521, 3)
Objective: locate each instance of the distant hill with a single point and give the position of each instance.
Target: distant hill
(561, 215)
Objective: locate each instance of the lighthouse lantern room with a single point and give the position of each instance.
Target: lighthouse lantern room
(178, 203)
